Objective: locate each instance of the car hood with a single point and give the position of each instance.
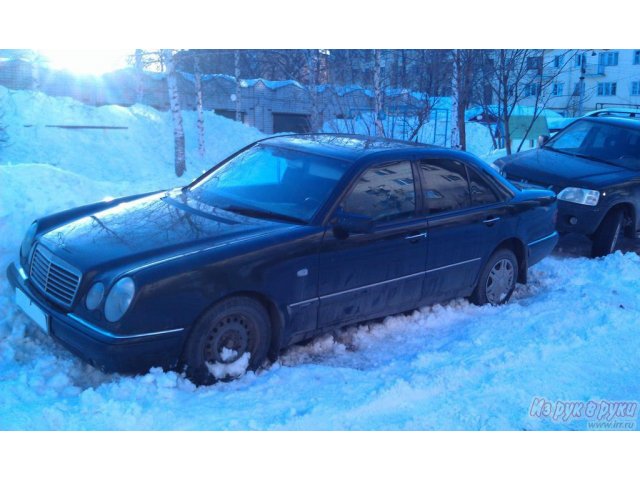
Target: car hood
(149, 228)
(548, 168)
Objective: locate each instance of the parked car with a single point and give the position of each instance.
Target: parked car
(594, 167)
(288, 238)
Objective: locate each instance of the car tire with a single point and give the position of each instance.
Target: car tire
(497, 280)
(218, 343)
(608, 234)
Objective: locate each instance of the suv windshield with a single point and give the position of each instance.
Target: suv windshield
(604, 142)
(271, 182)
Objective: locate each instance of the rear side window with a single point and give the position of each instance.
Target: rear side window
(384, 193)
(445, 185)
(481, 191)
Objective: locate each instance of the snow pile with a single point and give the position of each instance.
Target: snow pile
(233, 369)
(45, 169)
(437, 131)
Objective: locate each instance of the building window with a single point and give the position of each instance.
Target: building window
(557, 89)
(606, 89)
(636, 57)
(534, 63)
(530, 90)
(635, 88)
(608, 58)
(580, 60)
(557, 61)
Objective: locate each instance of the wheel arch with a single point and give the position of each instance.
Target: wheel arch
(518, 247)
(630, 215)
(276, 317)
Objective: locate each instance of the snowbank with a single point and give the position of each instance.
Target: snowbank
(45, 169)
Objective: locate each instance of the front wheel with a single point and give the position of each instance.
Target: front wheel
(498, 279)
(229, 339)
(608, 235)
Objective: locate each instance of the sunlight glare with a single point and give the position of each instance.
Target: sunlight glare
(86, 62)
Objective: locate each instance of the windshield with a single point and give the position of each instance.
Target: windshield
(599, 141)
(271, 182)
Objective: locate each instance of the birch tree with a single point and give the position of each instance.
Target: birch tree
(200, 111)
(236, 68)
(378, 93)
(139, 69)
(455, 96)
(176, 113)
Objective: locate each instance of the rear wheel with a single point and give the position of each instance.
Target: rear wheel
(497, 280)
(231, 338)
(608, 234)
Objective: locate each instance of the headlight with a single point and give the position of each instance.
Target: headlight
(94, 297)
(119, 299)
(580, 195)
(28, 239)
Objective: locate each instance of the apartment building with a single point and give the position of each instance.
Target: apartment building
(578, 81)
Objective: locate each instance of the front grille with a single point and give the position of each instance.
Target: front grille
(53, 277)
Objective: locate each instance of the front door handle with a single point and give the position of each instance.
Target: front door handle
(491, 221)
(416, 236)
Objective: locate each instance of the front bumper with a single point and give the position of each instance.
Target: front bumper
(102, 349)
(575, 218)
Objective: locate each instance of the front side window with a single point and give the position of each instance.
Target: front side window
(445, 185)
(384, 193)
(268, 181)
(481, 192)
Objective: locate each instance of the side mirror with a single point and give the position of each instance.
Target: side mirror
(345, 223)
(542, 139)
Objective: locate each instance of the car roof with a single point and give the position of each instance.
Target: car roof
(343, 146)
(617, 121)
(619, 112)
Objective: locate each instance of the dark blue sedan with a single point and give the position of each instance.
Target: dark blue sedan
(288, 238)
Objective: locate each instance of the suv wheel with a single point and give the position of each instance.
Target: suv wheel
(231, 338)
(497, 280)
(608, 234)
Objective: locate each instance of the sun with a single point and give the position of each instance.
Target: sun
(86, 62)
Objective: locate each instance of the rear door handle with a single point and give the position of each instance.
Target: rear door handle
(416, 236)
(489, 222)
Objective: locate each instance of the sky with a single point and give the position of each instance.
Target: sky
(87, 62)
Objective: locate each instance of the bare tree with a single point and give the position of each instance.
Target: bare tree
(236, 72)
(139, 69)
(174, 100)
(543, 81)
(200, 111)
(378, 94)
(455, 97)
(517, 74)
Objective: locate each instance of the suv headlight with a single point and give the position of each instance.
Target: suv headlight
(580, 195)
(29, 237)
(119, 299)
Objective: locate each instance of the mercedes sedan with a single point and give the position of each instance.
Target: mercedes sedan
(288, 238)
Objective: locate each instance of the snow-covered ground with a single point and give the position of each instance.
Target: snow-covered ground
(571, 334)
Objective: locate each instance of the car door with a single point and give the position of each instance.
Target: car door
(466, 222)
(368, 275)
